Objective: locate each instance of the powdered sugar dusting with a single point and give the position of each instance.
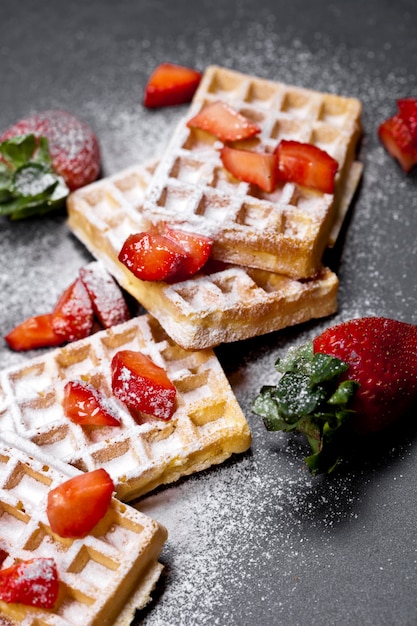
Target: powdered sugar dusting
(257, 540)
(262, 522)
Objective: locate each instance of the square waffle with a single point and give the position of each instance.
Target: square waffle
(285, 231)
(220, 305)
(207, 427)
(114, 566)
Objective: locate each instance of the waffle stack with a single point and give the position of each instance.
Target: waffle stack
(207, 427)
(269, 246)
(225, 304)
(103, 577)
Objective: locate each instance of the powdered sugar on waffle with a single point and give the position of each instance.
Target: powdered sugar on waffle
(244, 525)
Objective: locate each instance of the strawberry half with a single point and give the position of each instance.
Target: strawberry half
(108, 302)
(356, 378)
(73, 315)
(76, 506)
(84, 405)
(142, 385)
(73, 146)
(35, 332)
(224, 122)
(306, 165)
(257, 168)
(33, 583)
(171, 84)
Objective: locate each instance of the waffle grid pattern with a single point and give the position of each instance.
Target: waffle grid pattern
(98, 573)
(224, 305)
(207, 427)
(286, 231)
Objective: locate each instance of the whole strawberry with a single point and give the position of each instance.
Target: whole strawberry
(357, 377)
(73, 146)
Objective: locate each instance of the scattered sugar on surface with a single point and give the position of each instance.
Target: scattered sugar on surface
(235, 529)
(230, 529)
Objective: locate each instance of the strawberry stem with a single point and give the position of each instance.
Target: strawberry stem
(310, 398)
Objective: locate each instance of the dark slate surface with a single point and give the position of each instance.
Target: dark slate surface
(257, 540)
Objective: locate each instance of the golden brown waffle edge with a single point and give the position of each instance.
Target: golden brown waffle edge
(226, 305)
(207, 427)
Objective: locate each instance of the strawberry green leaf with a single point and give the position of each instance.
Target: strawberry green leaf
(310, 398)
(28, 184)
(18, 150)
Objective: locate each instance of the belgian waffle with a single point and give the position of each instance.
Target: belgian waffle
(115, 565)
(285, 231)
(206, 428)
(220, 305)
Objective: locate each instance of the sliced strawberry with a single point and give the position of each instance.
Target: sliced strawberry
(306, 165)
(407, 108)
(257, 168)
(196, 247)
(35, 332)
(151, 256)
(33, 583)
(142, 385)
(83, 404)
(171, 84)
(395, 135)
(73, 145)
(77, 505)
(106, 296)
(72, 317)
(224, 122)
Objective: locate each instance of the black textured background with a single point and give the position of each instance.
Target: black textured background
(257, 540)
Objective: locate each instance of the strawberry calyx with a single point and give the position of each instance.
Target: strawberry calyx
(310, 398)
(29, 185)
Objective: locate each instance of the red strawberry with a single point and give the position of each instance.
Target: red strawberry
(306, 165)
(359, 375)
(197, 249)
(382, 358)
(106, 296)
(142, 385)
(77, 505)
(151, 256)
(224, 122)
(171, 84)
(252, 167)
(407, 108)
(35, 332)
(83, 404)
(397, 138)
(73, 145)
(33, 583)
(72, 317)
(3, 555)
